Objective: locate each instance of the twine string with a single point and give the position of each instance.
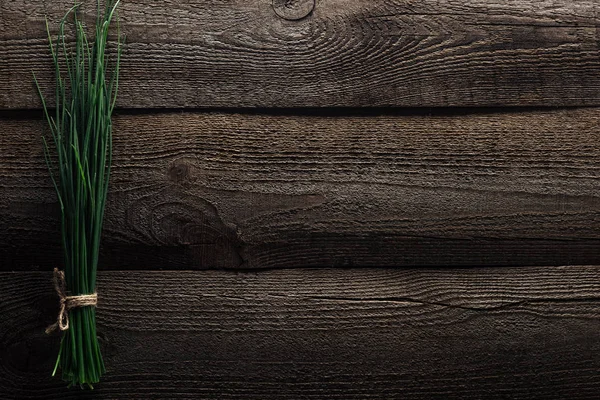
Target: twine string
(68, 302)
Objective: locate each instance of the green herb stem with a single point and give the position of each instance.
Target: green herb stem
(79, 158)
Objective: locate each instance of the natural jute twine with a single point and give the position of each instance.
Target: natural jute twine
(68, 302)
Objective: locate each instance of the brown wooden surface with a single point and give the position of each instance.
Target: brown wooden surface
(484, 333)
(226, 190)
(249, 171)
(242, 53)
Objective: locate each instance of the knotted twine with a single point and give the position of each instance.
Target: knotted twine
(68, 302)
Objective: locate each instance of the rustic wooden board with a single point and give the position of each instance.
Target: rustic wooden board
(241, 53)
(205, 190)
(493, 333)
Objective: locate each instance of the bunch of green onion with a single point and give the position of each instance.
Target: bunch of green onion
(78, 155)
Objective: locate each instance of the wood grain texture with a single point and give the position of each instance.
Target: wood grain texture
(217, 190)
(242, 53)
(493, 333)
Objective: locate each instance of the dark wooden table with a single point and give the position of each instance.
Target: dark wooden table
(323, 199)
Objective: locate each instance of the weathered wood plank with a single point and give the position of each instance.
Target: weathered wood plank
(241, 53)
(207, 190)
(493, 333)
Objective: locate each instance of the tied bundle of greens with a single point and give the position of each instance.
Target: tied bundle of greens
(79, 158)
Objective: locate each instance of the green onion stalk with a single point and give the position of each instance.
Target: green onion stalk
(78, 153)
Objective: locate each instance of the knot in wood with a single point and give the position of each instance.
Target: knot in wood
(179, 171)
(293, 10)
